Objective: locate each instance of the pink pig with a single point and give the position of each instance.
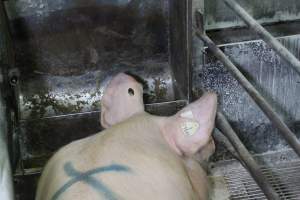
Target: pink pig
(138, 156)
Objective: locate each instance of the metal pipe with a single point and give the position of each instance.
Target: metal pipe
(220, 138)
(289, 136)
(245, 157)
(6, 59)
(264, 34)
(6, 189)
(7, 55)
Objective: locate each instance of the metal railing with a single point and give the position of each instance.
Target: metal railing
(264, 34)
(243, 154)
(6, 59)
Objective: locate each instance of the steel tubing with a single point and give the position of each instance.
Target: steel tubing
(264, 34)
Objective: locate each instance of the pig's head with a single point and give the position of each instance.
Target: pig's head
(186, 132)
(122, 98)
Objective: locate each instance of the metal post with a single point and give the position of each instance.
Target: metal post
(6, 189)
(246, 158)
(220, 138)
(6, 59)
(289, 136)
(7, 56)
(264, 34)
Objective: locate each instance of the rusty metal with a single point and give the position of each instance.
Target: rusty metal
(256, 96)
(245, 157)
(264, 34)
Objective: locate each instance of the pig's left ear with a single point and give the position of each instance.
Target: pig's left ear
(103, 121)
(190, 129)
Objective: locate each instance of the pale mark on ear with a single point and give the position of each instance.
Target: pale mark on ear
(189, 128)
(187, 114)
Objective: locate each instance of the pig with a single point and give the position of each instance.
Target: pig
(138, 155)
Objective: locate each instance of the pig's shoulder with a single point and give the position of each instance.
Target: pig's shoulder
(69, 152)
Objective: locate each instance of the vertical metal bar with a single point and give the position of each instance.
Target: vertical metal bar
(6, 59)
(7, 56)
(220, 138)
(6, 189)
(264, 34)
(289, 136)
(189, 16)
(180, 36)
(246, 158)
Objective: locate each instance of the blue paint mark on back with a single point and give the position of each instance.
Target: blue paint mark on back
(86, 177)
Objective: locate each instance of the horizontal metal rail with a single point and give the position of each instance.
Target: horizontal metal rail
(264, 34)
(288, 135)
(245, 157)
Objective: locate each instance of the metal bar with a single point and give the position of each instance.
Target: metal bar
(6, 59)
(220, 138)
(245, 157)
(289, 136)
(6, 189)
(7, 56)
(264, 34)
(180, 13)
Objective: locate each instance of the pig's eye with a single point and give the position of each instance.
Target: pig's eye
(130, 91)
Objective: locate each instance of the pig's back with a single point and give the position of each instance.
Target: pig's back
(128, 161)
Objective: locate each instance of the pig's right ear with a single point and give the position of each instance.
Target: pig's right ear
(190, 129)
(107, 118)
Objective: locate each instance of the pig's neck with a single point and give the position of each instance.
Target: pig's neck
(167, 128)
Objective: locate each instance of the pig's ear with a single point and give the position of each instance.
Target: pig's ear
(103, 121)
(190, 129)
(107, 117)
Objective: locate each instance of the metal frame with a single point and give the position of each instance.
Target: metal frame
(288, 135)
(180, 45)
(244, 156)
(172, 77)
(264, 34)
(6, 62)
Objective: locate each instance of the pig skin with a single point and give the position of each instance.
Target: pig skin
(138, 156)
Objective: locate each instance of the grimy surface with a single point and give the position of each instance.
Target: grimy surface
(138, 156)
